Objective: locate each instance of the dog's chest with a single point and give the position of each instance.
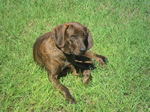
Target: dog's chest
(65, 64)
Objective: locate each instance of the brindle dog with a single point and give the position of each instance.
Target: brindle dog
(66, 46)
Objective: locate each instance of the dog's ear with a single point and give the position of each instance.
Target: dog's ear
(60, 34)
(90, 40)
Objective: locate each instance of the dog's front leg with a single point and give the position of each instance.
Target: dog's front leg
(73, 70)
(99, 58)
(53, 72)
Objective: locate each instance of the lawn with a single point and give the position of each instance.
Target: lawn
(121, 32)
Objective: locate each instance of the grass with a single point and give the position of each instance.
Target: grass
(121, 31)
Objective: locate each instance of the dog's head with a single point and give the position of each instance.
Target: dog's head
(73, 38)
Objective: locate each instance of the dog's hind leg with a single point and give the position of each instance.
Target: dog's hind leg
(53, 72)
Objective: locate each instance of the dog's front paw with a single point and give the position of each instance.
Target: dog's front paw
(86, 76)
(102, 60)
(75, 73)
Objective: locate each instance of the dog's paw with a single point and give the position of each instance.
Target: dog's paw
(102, 60)
(71, 100)
(75, 74)
(86, 80)
(86, 76)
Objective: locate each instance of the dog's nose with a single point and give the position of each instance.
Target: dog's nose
(82, 49)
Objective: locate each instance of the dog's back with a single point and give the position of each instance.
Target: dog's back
(36, 47)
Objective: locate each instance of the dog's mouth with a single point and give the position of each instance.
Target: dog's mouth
(82, 53)
(79, 53)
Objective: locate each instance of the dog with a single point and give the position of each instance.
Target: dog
(66, 46)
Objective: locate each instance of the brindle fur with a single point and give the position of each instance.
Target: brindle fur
(66, 47)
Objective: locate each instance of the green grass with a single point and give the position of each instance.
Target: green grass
(121, 31)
